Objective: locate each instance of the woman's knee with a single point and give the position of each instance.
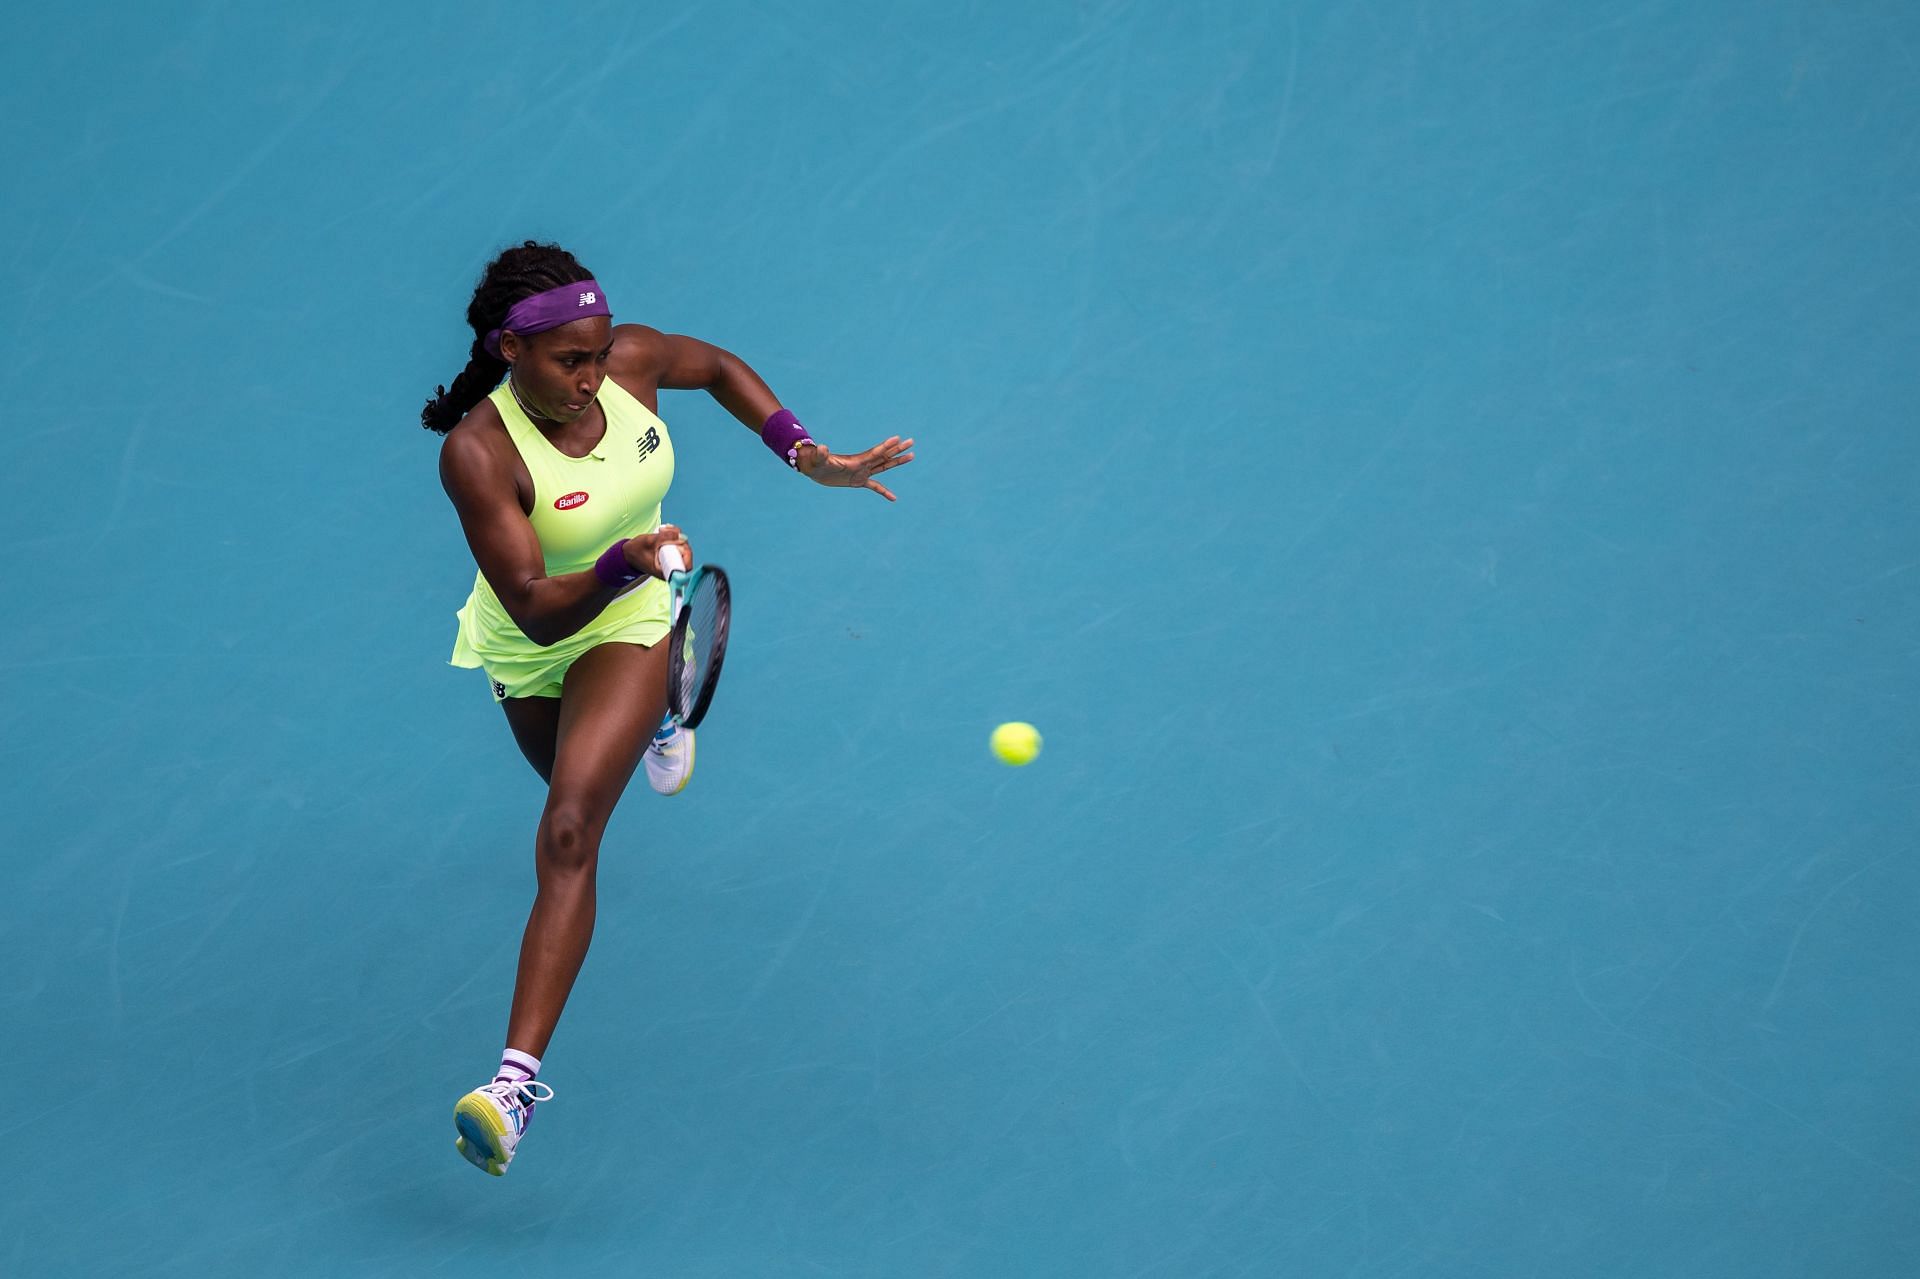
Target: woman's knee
(569, 841)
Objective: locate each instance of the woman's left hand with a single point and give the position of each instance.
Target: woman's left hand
(854, 470)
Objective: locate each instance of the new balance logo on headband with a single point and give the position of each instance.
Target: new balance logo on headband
(549, 310)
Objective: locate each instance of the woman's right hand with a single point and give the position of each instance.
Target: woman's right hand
(643, 550)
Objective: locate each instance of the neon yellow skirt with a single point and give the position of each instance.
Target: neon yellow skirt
(490, 640)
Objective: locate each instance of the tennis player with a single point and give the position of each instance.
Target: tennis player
(557, 461)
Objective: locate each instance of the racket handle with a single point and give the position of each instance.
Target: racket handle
(672, 561)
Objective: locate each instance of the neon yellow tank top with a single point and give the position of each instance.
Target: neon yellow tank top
(582, 505)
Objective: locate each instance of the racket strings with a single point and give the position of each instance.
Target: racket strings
(703, 628)
(703, 636)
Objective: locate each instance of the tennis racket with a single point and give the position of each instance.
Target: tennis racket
(702, 607)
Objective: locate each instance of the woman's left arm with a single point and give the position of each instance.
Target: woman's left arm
(672, 361)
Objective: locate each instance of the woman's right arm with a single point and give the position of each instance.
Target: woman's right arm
(476, 475)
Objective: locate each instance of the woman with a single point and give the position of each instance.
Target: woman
(556, 462)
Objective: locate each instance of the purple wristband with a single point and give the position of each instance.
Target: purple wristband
(612, 567)
(783, 433)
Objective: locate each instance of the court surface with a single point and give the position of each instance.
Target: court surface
(1442, 477)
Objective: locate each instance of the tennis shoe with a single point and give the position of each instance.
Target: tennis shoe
(492, 1119)
(669, 759)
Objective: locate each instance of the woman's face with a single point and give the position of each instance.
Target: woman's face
(558, 373)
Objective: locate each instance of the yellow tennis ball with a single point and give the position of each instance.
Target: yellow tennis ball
(1015, 743)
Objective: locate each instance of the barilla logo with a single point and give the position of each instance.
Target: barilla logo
(570, 501)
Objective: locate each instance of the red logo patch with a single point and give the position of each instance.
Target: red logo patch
(570, 501)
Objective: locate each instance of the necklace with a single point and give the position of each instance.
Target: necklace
(514, 391)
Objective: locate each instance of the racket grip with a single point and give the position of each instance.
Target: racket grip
(672, 561)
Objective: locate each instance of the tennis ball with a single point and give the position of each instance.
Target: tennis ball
(1015, 743)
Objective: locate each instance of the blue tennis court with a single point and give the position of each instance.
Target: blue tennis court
(1441, 477)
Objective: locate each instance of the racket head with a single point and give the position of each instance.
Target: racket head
(698, 643)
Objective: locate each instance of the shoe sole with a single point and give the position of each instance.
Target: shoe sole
(481, 1129)
(467, 1153)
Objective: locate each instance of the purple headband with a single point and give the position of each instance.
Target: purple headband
(550, 310)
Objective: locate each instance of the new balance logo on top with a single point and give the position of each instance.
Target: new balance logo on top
(588, 299)
(648, 443)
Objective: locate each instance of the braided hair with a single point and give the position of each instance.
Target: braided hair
(520, 272)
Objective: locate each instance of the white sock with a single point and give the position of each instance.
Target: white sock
(516, 1067)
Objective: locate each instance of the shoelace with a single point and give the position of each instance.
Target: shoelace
(517, 1092)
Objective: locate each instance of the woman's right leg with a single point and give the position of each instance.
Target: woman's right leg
(613, 700)
(535, 722)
